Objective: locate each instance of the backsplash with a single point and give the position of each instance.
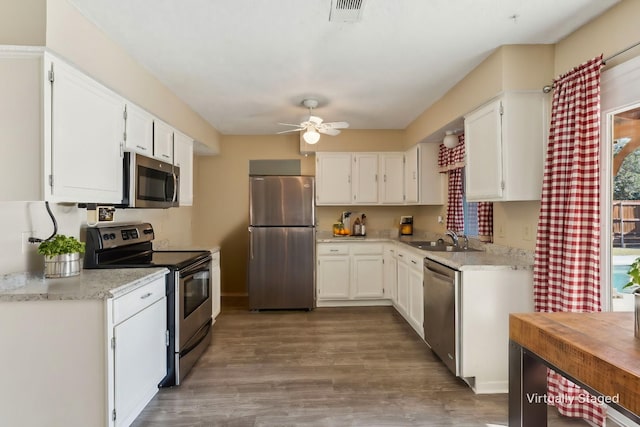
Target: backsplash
(19, 220)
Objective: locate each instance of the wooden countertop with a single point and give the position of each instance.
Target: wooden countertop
(597, 349)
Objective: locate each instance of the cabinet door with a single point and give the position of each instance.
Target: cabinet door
(416, 302)
(87, 131)
(139, 130)
(367, 279)
(365, 178)
(215, 285)
(183, 158)
(140, 360)
(411, 175)
(403, 285)
(162, 141)
(390, 274)
(483, 148)
(432, 182)
(333, 178)
(392, 178)
(333, 277)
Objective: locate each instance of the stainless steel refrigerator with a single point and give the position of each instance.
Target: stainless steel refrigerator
(281, 242)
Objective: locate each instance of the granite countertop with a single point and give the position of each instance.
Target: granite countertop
(88, 285)
(489, 257)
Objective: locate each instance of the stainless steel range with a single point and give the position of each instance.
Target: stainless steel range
(189, 305)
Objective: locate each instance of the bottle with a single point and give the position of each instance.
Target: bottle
(356, 227)
(363, 230)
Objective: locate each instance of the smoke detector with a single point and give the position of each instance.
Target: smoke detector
(346, 10)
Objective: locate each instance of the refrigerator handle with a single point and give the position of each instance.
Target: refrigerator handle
(250, 242)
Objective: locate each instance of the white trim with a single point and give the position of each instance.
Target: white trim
(17, 51)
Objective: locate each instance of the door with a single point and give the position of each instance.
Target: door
(162, 141)
(333, 277)
(183, 158)
(392, 180)
(365, 178)
(281, 201)
(411, 175)
(333, 172)
(367, 276)
(139, 131)
(281, 267)
(87, 132)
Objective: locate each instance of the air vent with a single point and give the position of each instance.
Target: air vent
(346, 10)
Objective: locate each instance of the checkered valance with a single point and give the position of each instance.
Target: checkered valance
(451, 158)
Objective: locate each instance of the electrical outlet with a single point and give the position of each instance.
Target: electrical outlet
(526, 233)
(500, 231)
(24, 238)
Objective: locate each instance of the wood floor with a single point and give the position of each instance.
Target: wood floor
(328, 367)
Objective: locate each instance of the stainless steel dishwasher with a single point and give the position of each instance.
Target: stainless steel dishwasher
(441, 285)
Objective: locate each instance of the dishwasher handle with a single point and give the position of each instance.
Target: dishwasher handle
(440, 269)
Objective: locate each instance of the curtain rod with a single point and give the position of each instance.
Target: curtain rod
(549, 88)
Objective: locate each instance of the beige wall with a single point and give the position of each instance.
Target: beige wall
(79, 41)
(22, 22)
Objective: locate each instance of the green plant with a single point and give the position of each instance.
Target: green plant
(60, 245)
(634, 273)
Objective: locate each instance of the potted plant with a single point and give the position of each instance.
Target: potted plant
(634, 274)
(61, 256)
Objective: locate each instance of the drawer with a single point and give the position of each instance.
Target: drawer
(332, 249)
(366, 248)
(138, 299)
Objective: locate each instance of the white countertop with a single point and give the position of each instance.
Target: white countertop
(88, 285)
(496, 259)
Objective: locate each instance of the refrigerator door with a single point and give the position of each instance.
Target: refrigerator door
(281, 268)
(281, 201)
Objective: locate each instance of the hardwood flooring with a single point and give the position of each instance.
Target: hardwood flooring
(328, 367)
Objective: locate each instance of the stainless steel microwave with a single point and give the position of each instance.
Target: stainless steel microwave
(149, 183)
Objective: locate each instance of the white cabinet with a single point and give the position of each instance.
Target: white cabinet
(411, 175)
(391, 178)
(333, 179)
(432, 183)
(139, 349)
(215, 285)
(365, 178)
(183, 158)
(84, 131)
(390, 272)
(504, 145)
(410, 290)
(139, 130)
(349, 273)
(162, 141)
(333, 274)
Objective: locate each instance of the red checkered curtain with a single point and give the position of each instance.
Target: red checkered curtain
(451, 160)
(567, 256)
(485, 221)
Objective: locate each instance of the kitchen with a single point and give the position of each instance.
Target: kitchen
(234, 151)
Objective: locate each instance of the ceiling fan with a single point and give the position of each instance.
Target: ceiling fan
(314, 126)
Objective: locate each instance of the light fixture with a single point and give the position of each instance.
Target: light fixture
(311, 136)
(450, 139)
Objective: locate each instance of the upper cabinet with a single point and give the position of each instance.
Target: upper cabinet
(388, 178)
(83, 132)
(504, 144)
(138, 135)
(162, 141)
(183, 158)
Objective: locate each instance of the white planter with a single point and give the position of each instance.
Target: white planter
(65, 265)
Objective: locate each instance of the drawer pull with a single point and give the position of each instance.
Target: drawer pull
(333, 250)
(147, 295)
(414, 261)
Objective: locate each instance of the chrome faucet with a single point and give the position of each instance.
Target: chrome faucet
(466, 242)
(454, 237)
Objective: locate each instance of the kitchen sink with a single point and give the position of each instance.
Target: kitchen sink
(428, 245)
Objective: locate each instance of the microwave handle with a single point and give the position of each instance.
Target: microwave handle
(175, 188)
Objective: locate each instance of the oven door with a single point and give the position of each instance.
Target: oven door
(193, 315)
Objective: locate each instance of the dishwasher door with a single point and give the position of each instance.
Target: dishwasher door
(440, 314)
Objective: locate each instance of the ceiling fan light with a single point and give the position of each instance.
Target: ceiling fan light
(311, 136)
(450, 140)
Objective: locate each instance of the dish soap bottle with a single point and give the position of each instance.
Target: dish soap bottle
(363, 230)
(356, 227)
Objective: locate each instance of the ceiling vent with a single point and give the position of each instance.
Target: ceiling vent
(346, 10)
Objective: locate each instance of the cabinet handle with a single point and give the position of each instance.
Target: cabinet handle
(165, 156)
(141, 147)
(414, 261)
(401, 256)
(147, 295)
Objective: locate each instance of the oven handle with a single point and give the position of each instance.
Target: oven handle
(199, 336)
(193, 269)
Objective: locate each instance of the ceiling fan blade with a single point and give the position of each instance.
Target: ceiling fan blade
(289, 124)
(315, 120)
(290, 130)
(329, 131)
(337, 125)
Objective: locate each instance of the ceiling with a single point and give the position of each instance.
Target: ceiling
(245, 65)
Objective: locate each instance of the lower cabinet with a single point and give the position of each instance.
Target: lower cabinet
(410, 291)
(350, 274)
(86, 362)
(390, 260)
(215, 284)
